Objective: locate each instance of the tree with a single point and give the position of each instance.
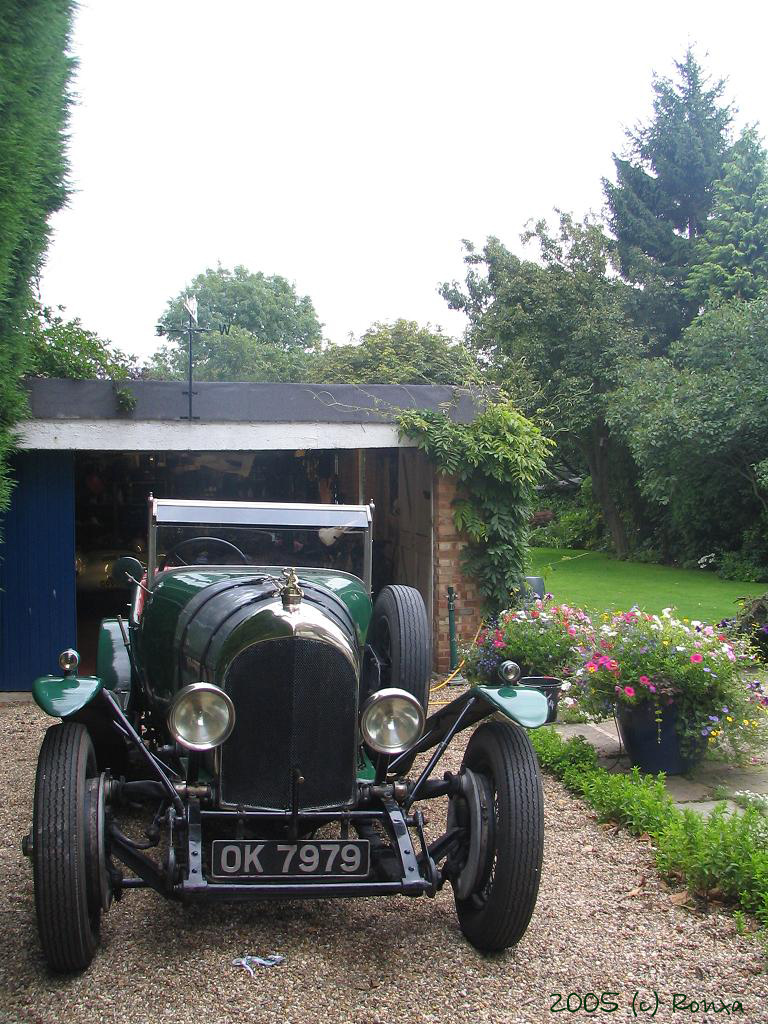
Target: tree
(731, 257)
(259, 329)
(554, 335)
(238, 355)
(34, 102)
(57, 347)
(398, 353)
(663, 194)
(696, 425)
(266, 307)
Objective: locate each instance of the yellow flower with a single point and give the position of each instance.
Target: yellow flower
(728, 718)
(746, 721)
(686, 620)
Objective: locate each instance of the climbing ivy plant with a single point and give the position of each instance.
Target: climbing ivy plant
(497, 459)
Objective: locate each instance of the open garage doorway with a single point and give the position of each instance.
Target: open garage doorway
(112, 488)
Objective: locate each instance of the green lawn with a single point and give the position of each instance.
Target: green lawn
(593, 580)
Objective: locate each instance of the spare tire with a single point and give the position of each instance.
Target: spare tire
(400, 638)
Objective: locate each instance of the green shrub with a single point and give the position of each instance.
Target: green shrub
(752, 623)
(735, 565)
(638, 802)
(727, 854)
(577, 520)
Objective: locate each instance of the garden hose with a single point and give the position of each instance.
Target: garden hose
(456, 671)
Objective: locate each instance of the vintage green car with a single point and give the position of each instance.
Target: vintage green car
(268, 716)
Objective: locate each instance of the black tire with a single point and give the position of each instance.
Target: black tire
(68, 911)
(401, 639)
(496, 915)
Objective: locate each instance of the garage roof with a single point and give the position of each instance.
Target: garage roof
(244, 402)
(84, 415)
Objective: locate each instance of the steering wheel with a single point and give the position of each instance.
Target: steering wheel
(173, 553)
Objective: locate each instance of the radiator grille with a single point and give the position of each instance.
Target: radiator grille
(296, 711)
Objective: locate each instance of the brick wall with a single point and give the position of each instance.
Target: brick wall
(447, 572)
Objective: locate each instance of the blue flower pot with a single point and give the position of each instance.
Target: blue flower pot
(651, 747)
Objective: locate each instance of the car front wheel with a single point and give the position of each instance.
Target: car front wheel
(68, 848)
(502, 812)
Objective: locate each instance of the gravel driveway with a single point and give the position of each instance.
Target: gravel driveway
(604, 923)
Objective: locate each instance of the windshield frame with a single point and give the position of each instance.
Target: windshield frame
(172, 512)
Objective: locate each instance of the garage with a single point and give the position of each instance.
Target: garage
(86, 469)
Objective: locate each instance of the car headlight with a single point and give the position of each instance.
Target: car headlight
(509, 671)
(202, 716)
(391, 721)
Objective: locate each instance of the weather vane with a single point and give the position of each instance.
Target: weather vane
(191, 328)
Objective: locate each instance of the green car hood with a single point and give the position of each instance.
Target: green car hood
(165, 608)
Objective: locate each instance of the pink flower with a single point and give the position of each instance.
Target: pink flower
(591, 666)
(696, 658)
(498, 643)
(652, 688)
(603, 660)
(534, 614)
(571, 631)
(613, 666)
(644, 680)
(630, 691)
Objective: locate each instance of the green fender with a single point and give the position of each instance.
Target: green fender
(527, 707)
(113, 663)
(62, 696)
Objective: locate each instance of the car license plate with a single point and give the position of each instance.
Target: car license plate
(270, 858)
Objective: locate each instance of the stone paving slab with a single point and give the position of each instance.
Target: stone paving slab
(707, 806)
(698, 791)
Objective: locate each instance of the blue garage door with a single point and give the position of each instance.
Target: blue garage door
(37, 569)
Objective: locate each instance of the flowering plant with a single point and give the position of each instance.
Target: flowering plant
(635, 658)
(543, 640)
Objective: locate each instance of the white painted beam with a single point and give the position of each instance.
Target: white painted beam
(165, 436)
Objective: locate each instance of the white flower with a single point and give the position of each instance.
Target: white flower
(579, 671)
(666, 612)
(566, 685)
(679, 648)
(568, 701)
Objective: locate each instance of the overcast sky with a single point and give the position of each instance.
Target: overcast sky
(350, 146)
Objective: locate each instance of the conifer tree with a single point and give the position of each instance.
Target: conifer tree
(663, 193)
(34, 72)
(732, 254)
